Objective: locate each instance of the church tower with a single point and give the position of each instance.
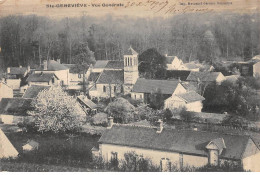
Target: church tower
(130, 69)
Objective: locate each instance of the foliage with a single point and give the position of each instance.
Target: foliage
(99, 119)
(152, 65)
(143, 111)
(28, 39)
(223, 167)
(186, 115)
(167, 115)
(55, 111)
(121, 110)
(157, 99)
(55, 149)
(133, 162)
(238, 99)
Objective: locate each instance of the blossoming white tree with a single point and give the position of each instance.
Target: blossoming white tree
(56, 111)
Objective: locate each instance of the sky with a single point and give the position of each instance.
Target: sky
(133, 8)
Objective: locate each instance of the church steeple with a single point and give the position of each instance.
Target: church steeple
(130, 68)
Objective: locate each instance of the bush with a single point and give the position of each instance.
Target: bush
(223, 167)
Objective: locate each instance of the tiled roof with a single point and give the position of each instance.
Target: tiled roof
(203, 76)
(191, 65)
(115, 65)
(147, 86)
(184, 141)
(182, 74)
(33, 91)
(17, 70)
(93, 76)
(16, 106)
(74, 68)
(41, 77)
(130, 51)
(53, 66)
(111, 77)
(100, 64)
(190, 86)
(87, 102)
(191, 97)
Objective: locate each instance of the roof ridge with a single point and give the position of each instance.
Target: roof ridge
(133, 125)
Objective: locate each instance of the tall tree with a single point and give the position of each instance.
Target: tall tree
(152, 65)
(56, 111)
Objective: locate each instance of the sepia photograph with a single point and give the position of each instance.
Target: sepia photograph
(129, 86)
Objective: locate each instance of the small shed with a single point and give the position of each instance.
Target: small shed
(31, 145)
(87, 103)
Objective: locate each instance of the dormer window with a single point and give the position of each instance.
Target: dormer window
(215, 148)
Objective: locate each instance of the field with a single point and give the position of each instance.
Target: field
(55, 153)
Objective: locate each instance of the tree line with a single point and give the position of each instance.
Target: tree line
(27, 40)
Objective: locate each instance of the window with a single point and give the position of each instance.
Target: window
(141, 97)
(114, 89)
(128, 61)
(79, 75)
(131, 63)
(104, 88)
(165, 165)
(52, 80)
(135, 96)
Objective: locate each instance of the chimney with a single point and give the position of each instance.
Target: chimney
(166, 55)
(58, 60)
(8, 70)
(28, 68)
(44, 64)
(20, 66)
(160, 128)
(179, 79)
(110, 122)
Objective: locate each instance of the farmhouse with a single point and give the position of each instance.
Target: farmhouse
(182, 149)
(14, 110)
(54, 67)
(173, 62)
(206, 77)
(192, 101)
(43, 79)
(15, 75)
(76, 76)
(251, 67)
(175, 94)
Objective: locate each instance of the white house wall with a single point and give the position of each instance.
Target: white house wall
(137, 96)
(252, 163)
(256, 69)
(173, 102)
(194, 106)
(179, 89)
(14, 83)
(63, 75)
(5, 91)
(154, 155)
(220, 79)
